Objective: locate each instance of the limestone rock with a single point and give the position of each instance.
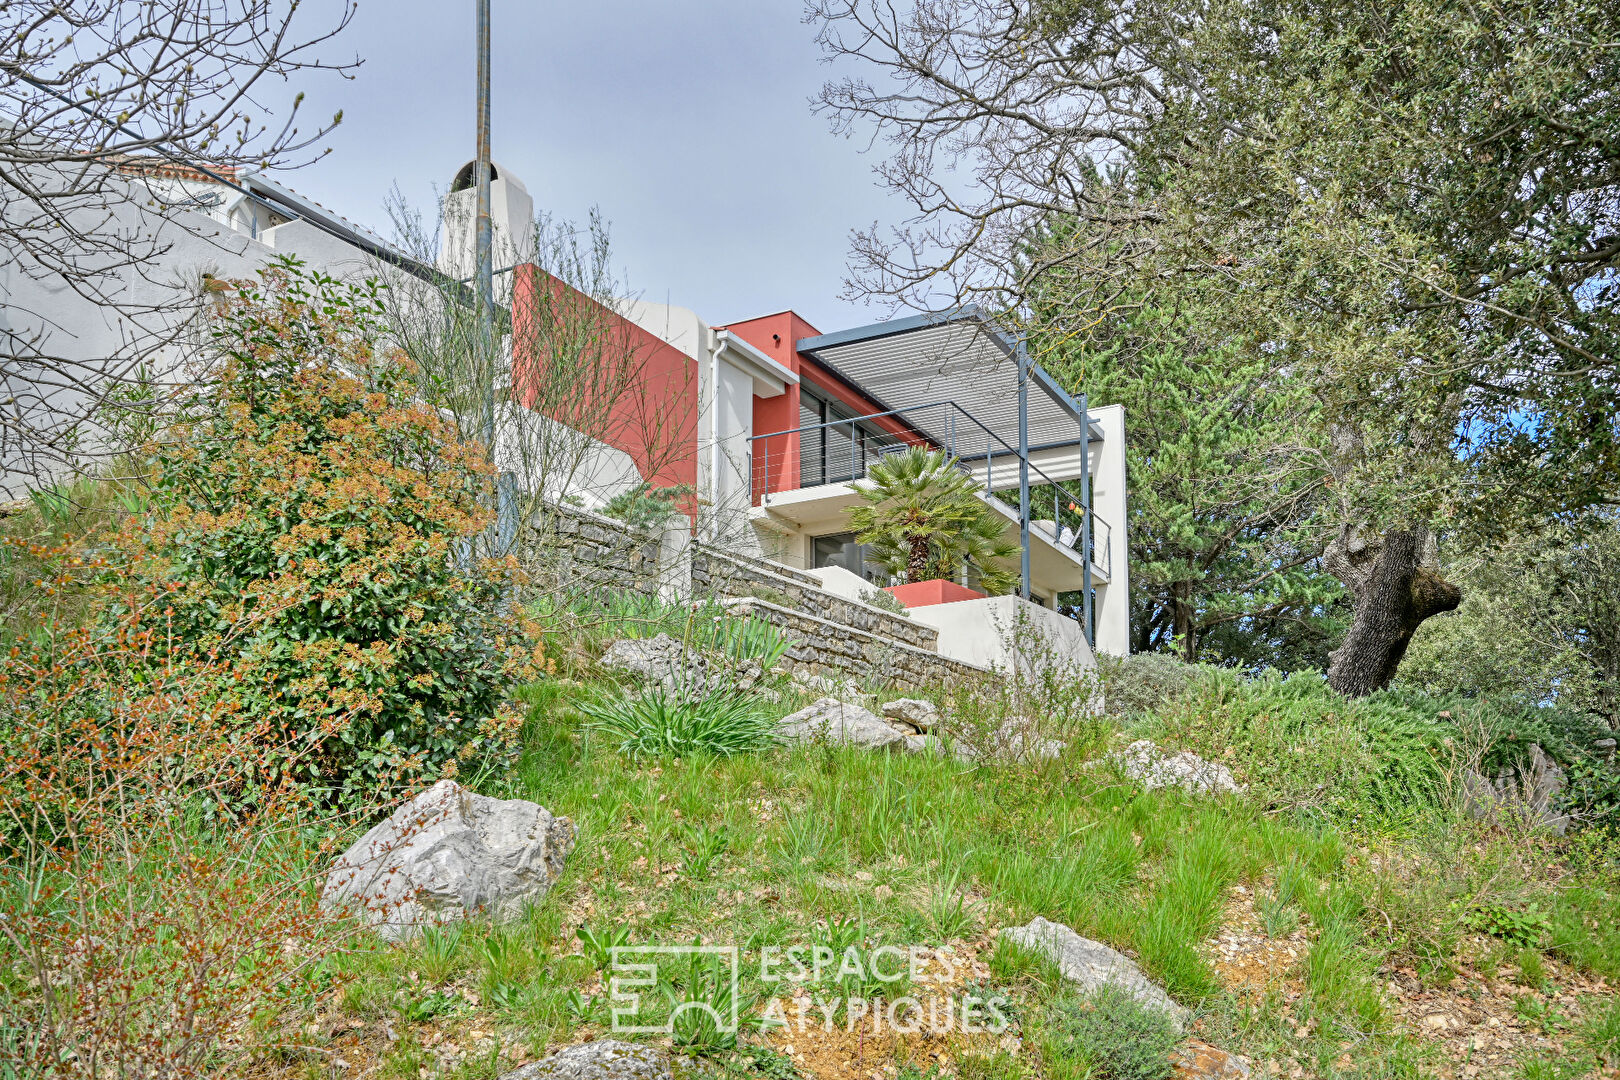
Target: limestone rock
(1530, 791)
(1019, 740)
(920, 715)
(826, 686)
(1196, 1060)
(664, 662)
(1144, 762)
(1091, 965)
(449, 853)
(604, 1059)
(840, 724)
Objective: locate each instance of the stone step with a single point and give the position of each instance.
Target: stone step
(724, 574)
(834, 648)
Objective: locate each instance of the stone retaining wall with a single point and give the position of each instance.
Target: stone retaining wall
(576, 551)
(571, 549)
(831, 648)
(750, 564)
(717, 573)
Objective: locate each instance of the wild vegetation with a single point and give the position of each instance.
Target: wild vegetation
(1350, 267)
(175, 787)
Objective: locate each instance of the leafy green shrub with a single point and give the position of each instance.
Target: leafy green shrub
(745, 640)
(1108, 1035)
(1526, 926)
(306, 489)
(884, 600)
(659, 724)
(647, 507)
(1302, 745)
(1142, 682)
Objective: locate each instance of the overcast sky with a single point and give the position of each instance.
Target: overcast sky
(687, 123)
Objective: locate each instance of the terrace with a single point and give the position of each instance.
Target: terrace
(957, 384)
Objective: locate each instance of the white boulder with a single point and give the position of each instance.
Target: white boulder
(1144, 762)
(604, 1059)
(832, 721)
(916, 713)
(1091, 965)
(447, 854)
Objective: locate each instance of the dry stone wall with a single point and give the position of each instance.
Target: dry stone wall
(716, 573)
(831, 648)
(576, 551)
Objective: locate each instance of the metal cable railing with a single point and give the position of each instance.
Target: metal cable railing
(843, 451)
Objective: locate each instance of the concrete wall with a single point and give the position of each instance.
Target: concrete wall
(1007, 633)
(122, 314)
(1113, 610)
(511, 215)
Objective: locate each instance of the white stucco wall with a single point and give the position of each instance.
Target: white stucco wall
(1108, 502)
(511, 217)
(1008, 633)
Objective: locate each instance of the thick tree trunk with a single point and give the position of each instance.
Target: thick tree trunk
(1181, 598)
(1395, 580)
(917, 564)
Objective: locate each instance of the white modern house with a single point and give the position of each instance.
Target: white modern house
(777, 421)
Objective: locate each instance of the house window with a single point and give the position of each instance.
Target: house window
(840, 549)
(835, 453)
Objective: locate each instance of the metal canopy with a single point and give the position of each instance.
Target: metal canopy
(959, 356)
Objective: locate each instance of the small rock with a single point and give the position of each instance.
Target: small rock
(1529, 791)
(1144, 762)
(449, 853)
(1440, 1022)
(1019, 740)
(1091, 965)
(663, 661)
(840, 724)
(604, 1059)
(1196, 1060)
(921, 715)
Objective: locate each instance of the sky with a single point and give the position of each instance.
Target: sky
(687, 124)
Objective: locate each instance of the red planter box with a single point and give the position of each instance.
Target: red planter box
(937, 591)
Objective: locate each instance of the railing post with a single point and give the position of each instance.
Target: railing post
(1085, 521)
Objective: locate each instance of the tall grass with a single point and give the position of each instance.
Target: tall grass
(661, 724)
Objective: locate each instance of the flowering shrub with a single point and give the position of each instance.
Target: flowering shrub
(284, 633)
(156, 922)
(306, 494)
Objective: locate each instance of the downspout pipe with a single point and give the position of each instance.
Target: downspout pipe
(714, 435)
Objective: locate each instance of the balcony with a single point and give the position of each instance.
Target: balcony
(807, 476)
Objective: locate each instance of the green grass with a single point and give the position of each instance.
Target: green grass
(660, 724)
(740, 841)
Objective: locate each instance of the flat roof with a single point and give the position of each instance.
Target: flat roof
(959, 356)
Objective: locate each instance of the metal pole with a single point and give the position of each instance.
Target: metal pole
(1085, 523)
(1023, 464)
(484, 272)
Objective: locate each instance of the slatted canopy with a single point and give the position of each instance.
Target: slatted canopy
(960, 356)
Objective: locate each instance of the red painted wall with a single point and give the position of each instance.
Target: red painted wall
(653, 413)
(774, 335)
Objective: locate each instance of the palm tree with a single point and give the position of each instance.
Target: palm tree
(923, 518)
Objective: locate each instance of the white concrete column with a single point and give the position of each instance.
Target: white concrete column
(1113, 604)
